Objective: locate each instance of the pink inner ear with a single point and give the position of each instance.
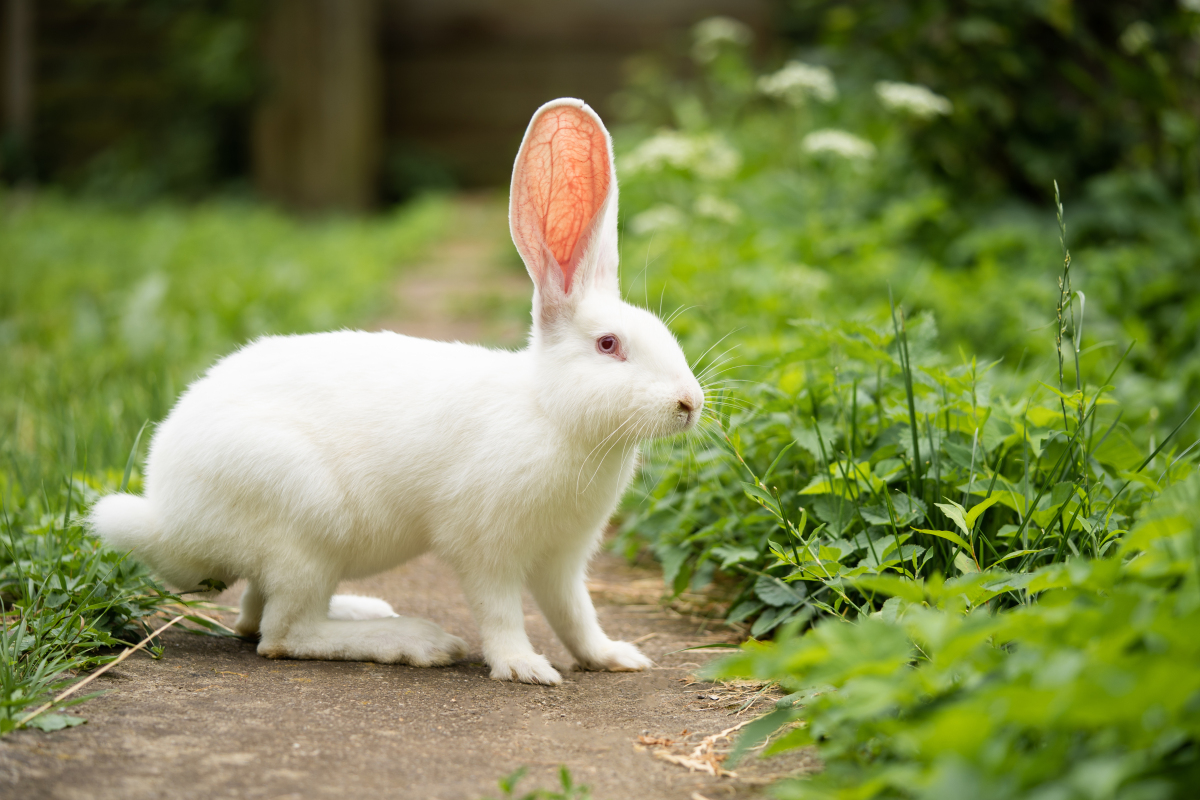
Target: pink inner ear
(564, 180)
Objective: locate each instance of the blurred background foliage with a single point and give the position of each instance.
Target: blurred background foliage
(949, 205)
(140, 99)
(1043, 90)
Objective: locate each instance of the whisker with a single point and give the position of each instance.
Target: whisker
(615, 431)
(714, 344)
(724, 365)
(678, 310)
(600, 461)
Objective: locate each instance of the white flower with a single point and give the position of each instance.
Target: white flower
(797, 80)
(912, 98)
(708, 36)
(715, 158)
(660, 217)
(713, 207)
(668, 148)
(840, 143)
(707, 156)
(1137, 36)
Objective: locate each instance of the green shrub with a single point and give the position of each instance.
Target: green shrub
(1001, 599)
(864, 452)
(1091, 692)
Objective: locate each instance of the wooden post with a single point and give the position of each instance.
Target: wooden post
(316, 136)
(18, 85)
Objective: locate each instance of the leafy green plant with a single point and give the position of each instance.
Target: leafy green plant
(66, 601)
(863, 453)
(1092, 691)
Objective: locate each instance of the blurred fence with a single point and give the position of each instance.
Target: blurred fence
(324, 104)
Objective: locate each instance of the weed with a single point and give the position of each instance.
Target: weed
(568, 789)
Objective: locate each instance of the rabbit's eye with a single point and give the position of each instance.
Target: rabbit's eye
(609, 345)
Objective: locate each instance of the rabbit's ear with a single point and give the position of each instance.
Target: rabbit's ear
(563, 202)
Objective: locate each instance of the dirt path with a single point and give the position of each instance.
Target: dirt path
(472, 286)
(213, 719)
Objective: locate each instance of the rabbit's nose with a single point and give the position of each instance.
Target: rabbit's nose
(686, 406)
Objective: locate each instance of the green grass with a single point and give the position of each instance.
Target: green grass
(105, 316)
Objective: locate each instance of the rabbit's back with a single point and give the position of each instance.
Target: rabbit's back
(330, 440)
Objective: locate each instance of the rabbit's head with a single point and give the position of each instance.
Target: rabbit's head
(606, 367)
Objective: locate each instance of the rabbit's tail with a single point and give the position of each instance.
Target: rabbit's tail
(126, 522)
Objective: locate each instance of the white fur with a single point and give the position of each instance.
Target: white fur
(301, 461)
(353, 606)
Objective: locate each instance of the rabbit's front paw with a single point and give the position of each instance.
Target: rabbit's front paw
(616, 657)
(530, 668)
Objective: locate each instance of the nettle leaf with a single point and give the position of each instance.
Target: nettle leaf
(765, 622)
(671, 558)
(908, 509)
(743, 610)
(948, 535)
(772, 618)
(1119, 451)
(977, 511)
(1043, 417)
(54, 722)
(956, 514)
(964, 563)
(1059, 494)
(890, 610)
(762, 497)
(775, 592)
(730, 555)
(806, 437)
(961, 454)
(893, 586)
(838, 512)
(890, 470)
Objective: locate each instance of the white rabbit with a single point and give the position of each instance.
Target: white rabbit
(301, 461)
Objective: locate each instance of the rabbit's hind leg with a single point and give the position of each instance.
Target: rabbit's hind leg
(250, 613)
(296, 624)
